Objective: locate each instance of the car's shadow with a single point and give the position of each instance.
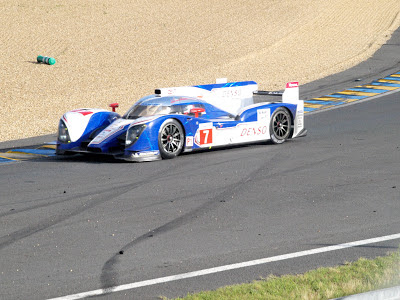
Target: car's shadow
(93, 158)
(83, 158)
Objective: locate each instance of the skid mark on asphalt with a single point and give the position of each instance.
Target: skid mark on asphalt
(55, 219)
(357, 93)
(109, 275)
(95, 200)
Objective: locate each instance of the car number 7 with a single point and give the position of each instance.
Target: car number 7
(206, 136)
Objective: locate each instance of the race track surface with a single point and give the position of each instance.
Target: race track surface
(75, 224)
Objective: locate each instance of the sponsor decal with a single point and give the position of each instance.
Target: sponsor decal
(84, 112)
(205, 125)
(143, 120)
(263, 114)
(292, 84)
(231, 93)
(189, 141)
(299, 118)
(180, 99)
(145, 154)
(113, 128)
(171, 91)
(254, 131)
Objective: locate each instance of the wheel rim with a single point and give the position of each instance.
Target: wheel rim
(171, 138)
(281, 125)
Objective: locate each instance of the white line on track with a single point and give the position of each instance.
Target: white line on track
(245, 264)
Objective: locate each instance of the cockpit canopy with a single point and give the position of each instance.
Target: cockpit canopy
(155, 105)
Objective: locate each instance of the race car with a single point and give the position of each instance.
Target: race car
(183, 119)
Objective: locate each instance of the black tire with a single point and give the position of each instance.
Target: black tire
(280, 127)
(171, 139)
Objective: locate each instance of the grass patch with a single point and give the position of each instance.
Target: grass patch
(323, 283)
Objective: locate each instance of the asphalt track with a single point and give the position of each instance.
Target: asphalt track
(77, 224)
(65, 221)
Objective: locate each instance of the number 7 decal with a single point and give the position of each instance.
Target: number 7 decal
(206, 136)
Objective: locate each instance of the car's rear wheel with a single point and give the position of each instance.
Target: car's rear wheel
(171, 139)
(280, 125)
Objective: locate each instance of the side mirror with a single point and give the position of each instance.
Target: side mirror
(113, 106)
(196, 111)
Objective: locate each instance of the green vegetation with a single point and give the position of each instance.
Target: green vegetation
(324, 283)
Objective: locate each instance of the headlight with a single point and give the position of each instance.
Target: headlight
(133, 134)
(63, 135)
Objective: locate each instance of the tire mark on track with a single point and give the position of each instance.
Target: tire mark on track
(50, 221)
(109, 274)
(101, 197)
(162, 174)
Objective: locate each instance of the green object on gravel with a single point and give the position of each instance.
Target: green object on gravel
(46, 60)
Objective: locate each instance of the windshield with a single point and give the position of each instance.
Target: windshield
(147, 110)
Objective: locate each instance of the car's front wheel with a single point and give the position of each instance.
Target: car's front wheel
(171, 139)
(280, 126)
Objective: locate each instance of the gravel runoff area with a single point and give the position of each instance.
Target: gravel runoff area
(118, 50)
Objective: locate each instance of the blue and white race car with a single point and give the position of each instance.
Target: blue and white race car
(184, 119)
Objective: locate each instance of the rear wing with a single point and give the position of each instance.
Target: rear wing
(291, 93)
